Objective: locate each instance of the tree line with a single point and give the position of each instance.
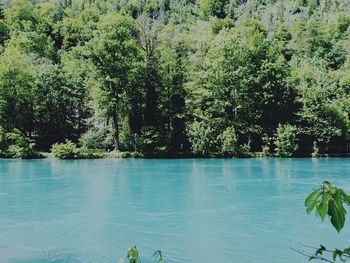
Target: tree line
(177, 77)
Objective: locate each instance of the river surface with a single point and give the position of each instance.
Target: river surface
(193, 210)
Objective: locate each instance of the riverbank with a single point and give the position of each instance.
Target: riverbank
(101, 154)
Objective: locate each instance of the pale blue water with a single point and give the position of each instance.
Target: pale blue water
(205, 211)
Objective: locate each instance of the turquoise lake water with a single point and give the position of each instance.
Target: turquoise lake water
(202, 210)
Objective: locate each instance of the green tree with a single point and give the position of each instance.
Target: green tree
(22, 16)
(162, 72)
(49, 106)
(33, 42)
(213, 8)
(149, 30)
(172, 99)
(286, 140)
(115, 54)
(204, 135)
(16, 85)
(320, 117)
(2, 14)
(229, 142)
(248, 77)
(66, 150)
(78, 77)
(20, 146)
(4, 32)
(71, 32)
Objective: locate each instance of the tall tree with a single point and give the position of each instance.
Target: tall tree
(174, 61)
(247, 76)
(149, 29)
(16, 90)
(115, 54)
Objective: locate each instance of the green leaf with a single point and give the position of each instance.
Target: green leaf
(133, 255)
(347, 250)
(331, 188)
(320, 250)
(325, 182)
(311, 200)
(336, 253)
(323, 207)
(336, 213)
(345, 196)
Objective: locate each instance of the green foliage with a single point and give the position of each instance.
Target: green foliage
(60, 100)
(116, 55)
(152, 142)
(16, 83)
(4, 32)
(286, 141)
(208, 77)
(100, 138)
(116, 155)
(66, 150)
(69, 150)
(15, 144)
(85, 153)
(132, 255)
(213, 8)
(2, 15)
(203, 138)
(322, 115)
(22, 16)
(245, 151)
(219, 24)
(246, 75)
(21, 146)
(266, 146)
(3, 138)
(72, 32)
(212, 138)
(328, 200)
(229, 142)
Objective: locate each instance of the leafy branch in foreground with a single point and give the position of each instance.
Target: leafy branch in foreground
(132, 256)
(328, 200)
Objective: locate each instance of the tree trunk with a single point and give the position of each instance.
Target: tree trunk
(116, 129)
(151, 97)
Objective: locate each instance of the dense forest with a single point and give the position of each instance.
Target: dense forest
(176, 77)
